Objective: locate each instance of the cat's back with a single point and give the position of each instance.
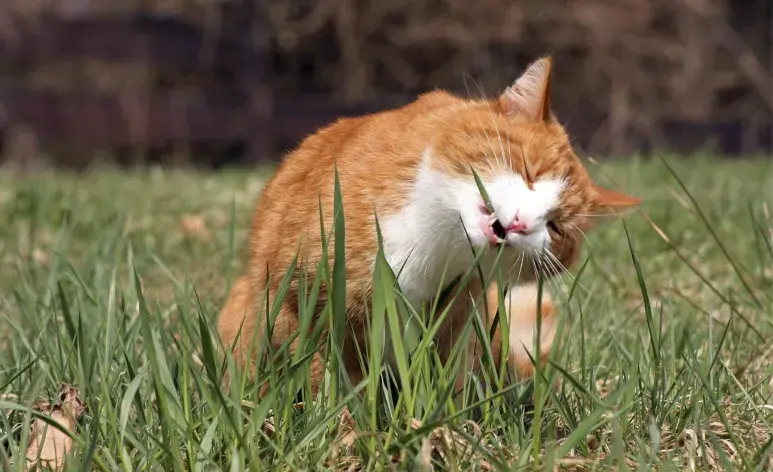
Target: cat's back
(361, 145)
(376, 157)
(370, 152)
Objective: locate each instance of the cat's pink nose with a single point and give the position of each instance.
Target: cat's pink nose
(519, 226)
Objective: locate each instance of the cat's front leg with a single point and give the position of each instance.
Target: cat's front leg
(522, 311)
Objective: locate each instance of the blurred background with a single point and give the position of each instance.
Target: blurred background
(212, 83)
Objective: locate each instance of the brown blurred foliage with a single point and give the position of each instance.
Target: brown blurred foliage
(631, 75)
(634, 65)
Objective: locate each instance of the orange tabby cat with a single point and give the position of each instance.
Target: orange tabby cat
(411, 168)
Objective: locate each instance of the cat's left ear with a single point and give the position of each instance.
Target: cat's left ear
(529, 97)
(611, 203)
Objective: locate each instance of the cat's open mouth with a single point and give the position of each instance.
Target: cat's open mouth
(493, 230)
(499, 231)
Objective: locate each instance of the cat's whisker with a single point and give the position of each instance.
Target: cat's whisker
(516, 280)
(522, 258)
(539, 264)
(502, 157)
(534, 266)
(561, 268)
(485, 133)
(553, 284)
(551, 257)
(467, 86)
(560, 272)
(497, 158)
(605, 215)
(489, 164)
(555, 280)
(549, 283)
(566, 271)
(579, 230)
(563, 241)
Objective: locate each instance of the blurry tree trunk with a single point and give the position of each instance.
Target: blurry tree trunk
(353, 73)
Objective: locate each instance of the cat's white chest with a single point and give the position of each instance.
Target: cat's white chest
(424, 242)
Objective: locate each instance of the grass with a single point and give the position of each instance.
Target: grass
(112, 282)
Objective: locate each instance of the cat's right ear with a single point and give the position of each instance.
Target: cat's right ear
(529, 97)
(611, 203)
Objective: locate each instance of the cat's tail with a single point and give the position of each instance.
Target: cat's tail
(521, 308)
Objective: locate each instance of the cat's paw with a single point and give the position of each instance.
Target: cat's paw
(521, 308)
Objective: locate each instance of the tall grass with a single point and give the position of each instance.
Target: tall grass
(663, 361)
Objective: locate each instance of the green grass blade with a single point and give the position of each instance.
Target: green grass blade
(338, 292)
(654, 337)
(714, 234)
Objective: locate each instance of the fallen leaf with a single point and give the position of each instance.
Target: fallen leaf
(605, 386)
(446, 442)
(40, 256)
(194, 226)
(425, 453)
(268, 424)
(346, 434)
(48, 445)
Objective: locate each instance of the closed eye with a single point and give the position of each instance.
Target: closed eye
(554, 227)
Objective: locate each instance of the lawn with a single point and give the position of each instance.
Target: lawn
(110, 283)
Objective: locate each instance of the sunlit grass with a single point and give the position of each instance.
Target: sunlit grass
(112, 282)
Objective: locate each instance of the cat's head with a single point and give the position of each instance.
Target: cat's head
(542, 196)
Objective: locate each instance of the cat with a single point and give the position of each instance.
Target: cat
(411, 169)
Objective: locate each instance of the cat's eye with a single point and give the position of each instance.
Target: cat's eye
(554, 227)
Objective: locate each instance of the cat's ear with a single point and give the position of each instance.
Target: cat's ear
(529, 97)
(612, 203)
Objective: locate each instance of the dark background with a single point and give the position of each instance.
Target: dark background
(85, 83)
